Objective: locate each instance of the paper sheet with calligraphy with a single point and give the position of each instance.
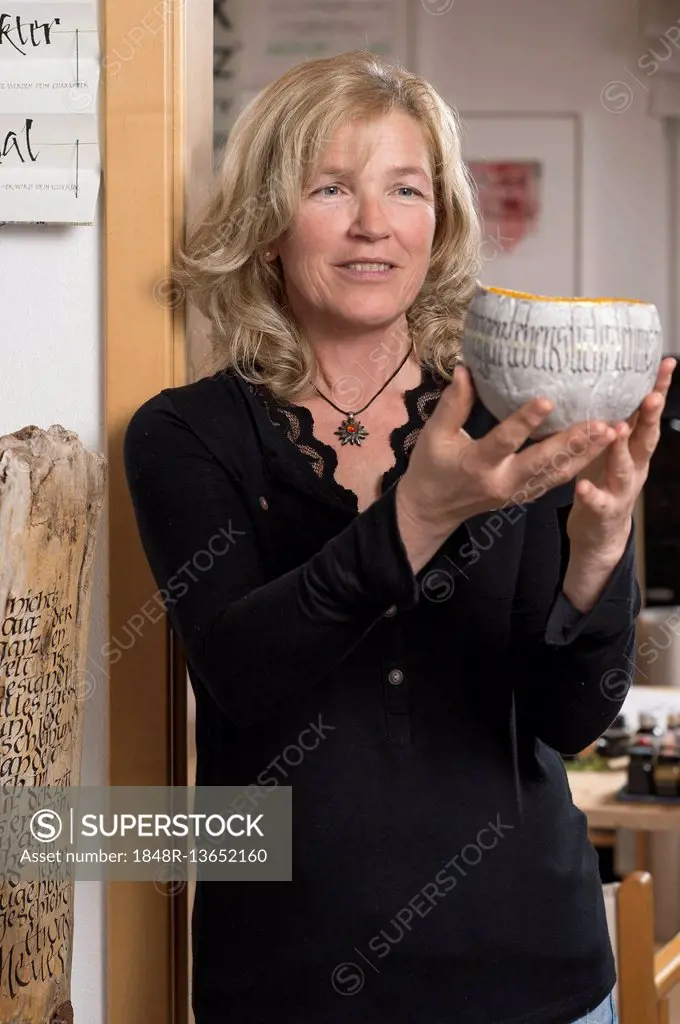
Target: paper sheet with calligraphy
(49, 123)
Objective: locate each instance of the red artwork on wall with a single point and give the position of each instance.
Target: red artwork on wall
(509, 199)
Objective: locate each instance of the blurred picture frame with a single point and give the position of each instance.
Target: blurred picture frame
(256, 41)
(528, 175)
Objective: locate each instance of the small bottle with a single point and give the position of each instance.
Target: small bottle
(667, 774)
(641, 771)
(673, 723)
(649, 730)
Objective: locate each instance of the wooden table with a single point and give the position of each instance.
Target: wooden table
(594, 793)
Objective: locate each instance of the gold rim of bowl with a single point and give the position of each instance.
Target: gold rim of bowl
(557, 298)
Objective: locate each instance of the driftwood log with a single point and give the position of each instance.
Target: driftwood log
(51, 496)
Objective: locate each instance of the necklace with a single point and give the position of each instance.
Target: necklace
(351, 431)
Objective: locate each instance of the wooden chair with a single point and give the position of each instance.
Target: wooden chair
(646, 975)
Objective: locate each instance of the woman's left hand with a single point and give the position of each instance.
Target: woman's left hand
(607, 489)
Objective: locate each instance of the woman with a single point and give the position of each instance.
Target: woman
(373, 635)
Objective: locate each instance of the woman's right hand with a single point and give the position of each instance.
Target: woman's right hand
(451, 477)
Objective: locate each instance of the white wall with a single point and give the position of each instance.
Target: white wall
(545, 56)
(51, 371)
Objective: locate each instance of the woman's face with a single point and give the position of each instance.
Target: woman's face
(370, 203)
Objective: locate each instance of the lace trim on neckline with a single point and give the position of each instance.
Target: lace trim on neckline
(297, 424)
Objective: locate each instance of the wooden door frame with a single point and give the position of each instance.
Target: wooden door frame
(151, 150)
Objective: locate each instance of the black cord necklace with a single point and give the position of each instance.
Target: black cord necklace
(351, 431)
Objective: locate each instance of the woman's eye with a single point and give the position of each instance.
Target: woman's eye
(323, 188)
(408, 188)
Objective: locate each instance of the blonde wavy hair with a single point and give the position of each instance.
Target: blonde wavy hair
(268, 159)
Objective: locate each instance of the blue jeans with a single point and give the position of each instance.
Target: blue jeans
(605, 1013)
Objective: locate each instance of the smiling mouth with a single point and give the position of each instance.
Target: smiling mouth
(364, 267)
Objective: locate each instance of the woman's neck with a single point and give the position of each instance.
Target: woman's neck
(363, 364)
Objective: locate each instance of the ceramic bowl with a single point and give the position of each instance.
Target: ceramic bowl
(594, 358)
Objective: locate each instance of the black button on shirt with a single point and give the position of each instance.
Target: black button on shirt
(441, 873)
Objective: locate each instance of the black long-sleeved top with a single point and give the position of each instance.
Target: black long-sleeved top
(441, 873)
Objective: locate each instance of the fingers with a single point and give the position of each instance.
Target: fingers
(645, 423)
(559, 458)
(647, 431)
(456, 400)
(620, 468)
(611, 475)
(665, 375)
(511, 433)
(661, 387)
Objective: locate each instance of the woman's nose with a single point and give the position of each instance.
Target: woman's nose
(371, 220)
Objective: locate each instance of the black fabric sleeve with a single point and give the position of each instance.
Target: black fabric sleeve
(571, 670)
(253, 642)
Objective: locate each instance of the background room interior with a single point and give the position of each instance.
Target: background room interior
(571, 119)
(572, 132)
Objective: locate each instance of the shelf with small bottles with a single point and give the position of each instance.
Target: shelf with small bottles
(650, 754)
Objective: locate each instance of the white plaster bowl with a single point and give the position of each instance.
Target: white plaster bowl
(594, 358)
